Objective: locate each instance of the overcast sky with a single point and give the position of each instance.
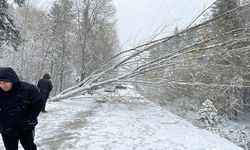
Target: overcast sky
(140, 20)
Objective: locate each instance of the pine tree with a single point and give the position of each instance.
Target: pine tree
(9, 34)
(229, 21)
(222, 6)
(61, 25)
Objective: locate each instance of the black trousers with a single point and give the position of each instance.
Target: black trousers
(45, 97)
(26, 139)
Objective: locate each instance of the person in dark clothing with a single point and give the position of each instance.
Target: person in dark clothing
(45, 86)
(20, 105)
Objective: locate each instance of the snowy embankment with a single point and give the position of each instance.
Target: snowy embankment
(80, 123)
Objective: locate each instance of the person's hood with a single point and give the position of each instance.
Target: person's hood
(46, 76)
(8, 74)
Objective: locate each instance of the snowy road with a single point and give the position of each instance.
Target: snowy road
(82, 124)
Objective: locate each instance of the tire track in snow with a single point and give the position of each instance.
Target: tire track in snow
(66, 135)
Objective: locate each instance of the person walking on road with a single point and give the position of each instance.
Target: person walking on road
(45, 86)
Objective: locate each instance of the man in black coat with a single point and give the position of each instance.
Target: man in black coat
(20, 104)
(45, 86)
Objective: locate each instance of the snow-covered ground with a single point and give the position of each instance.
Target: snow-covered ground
(81, 123)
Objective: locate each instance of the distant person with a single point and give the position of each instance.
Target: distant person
(20, 104)
(45, 86)
(78, 79)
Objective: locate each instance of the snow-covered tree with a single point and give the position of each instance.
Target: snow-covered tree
(9, 33)
(208, 114)
(62, 16)
(33, 25)
(227, 22)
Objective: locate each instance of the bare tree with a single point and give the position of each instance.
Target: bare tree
(95, 22)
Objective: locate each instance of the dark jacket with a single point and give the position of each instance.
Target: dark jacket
(20, 106)
(45, 85)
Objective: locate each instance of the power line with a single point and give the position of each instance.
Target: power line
(157, 14)
(170, 10)
(191, 12)
(202, 13)
(187, 29)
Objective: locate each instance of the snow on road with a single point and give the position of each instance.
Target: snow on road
(82, 124)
